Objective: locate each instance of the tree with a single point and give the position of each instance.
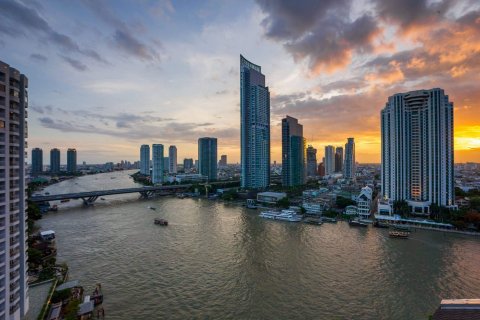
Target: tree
(401, 207)
(283, 203)
(342, 202)
(34, 256)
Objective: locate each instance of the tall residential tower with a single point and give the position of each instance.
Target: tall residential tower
(293, 152)
(329, 160)
(172, 158)
(311, 161)
(157, 163)
(37, 161)
(349, 167)
(54, 160)
(71, 160)
(207, 157)
(145, 159)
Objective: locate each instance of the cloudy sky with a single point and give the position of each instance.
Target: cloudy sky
(107, 76)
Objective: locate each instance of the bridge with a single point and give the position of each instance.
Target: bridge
(89, 197)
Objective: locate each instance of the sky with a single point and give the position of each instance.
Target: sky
(108, 76)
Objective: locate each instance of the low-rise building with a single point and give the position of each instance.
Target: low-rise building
(351, 210)
(270, 197)
(364, 201)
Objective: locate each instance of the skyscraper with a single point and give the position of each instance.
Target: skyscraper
(54, 160)
(157, 163)
(417, 149)
(254, 126)
(37, 161)
(311, 161)
(172, 157)
(207, 157)
(187, 164)
(293, 152)
(13, 281)
(349, 168)
(145, 159)
(71, 160)
(321, 169)
(329, 161)
(223, 160)
(338, 159)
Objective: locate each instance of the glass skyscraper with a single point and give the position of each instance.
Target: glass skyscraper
(207, 157)
(145, 159)
(293, 152)
(417, 149)
(54, 160)
(157, 163)
(71, 160)
(349, 168)
(37, 161)
(254, 126)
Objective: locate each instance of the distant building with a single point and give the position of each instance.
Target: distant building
(311, 161)
(157, 163)
(207, 157)
(417, 149)
(223, 160)
(293, 152)
(71, 160)
(172, 158)
(187, 164)
(349, 169)
(145, 159)
(338, 159)
(321, 169)
(329, 161)
(54, 161)
(364, 202)
(196, 164)
(37, 161)
(254, 126)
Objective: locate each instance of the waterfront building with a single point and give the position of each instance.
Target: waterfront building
(71, 160)
(223, 160)
(417, 149)
(187, 164)
(349, 169)
(54, 161)
(364, 202)
(157, 163)
(270, 197)
(254, 126)
(145, 159)
(338, 159)
(37, 161)
(311, 161)
(321, 168)
(329, 161)
(293, 152)
(14, 299)
(207, 157)
(172, 158)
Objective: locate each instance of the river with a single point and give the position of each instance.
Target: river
(220, 261)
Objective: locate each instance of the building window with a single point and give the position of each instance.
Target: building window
(2, 124)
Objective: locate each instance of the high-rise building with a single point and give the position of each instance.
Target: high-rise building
(311, 161)
(417, 149)
(207, 157)
(187, 164)
(293, 152)
(157, 163)
(145, 159)
(71, 160)
(349, 167)
(54, 160)
(37, 161)
(13, 241)
(329, 161)
(172, 157)
(321, 169)
(223, 160)
(338, 159)
(254, 126)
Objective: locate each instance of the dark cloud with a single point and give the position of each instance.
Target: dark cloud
(78, 65)
(17, 19)
(38, 57)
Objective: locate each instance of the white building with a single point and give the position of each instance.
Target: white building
(157, 166)
(364, 202)
(172, 158)
(145, 159)
(417, 149)
(13, 228)
(349, 168)
(329, 160)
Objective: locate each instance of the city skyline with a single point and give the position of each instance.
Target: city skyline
(80, 96)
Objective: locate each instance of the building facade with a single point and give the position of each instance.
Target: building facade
(311, 161)
(54, 160)
(349, 167)
(417, 149)
(187, 164)
(37, 161)
(254, 127)
(329, 161)
(364, 202)
(172, 158)
(13, 244)
(207, 157)
(145, 159)
(293, 152)
(223, 160)
(157, 163)
(71, 160)
(339, 159)
(321, 169)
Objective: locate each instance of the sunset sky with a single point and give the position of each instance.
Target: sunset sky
(108, 76)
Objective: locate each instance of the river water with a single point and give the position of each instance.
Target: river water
(220, 261)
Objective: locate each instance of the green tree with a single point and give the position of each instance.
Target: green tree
(342, 202)
(283, 203)
(34, 256)
(401, 207)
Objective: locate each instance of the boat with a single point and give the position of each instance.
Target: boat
(357, 223)
(315, 221)
(379, 224)
(97, 295)
(161, 222)
(284, 215)
(327, 219)
(152, 208)
(399, 227)
(102, 198)
(398, 234)
(65, 200)
(53, 208)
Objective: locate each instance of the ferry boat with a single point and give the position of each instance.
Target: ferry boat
(357, 223)
(65, 200)
(161, 222)
(284, 215)
(399, 234)
(399, 227)
(379, 224)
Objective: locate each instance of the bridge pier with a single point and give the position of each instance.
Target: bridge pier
(89, 201)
